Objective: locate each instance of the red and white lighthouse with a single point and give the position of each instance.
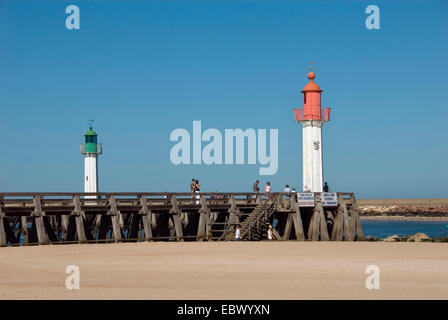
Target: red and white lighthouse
(312, 116)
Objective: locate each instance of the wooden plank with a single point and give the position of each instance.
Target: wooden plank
(79, 220)
(38, 214)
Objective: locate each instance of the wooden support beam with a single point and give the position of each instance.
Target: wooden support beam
(38, 215)
(24, 226)
(345, 219)
(233, 211)
(289, 222)
(175, 211)
(146, 218)
(154, 217)
(355, 216)
(79, 219)
(203, 220)
(114, 215)
(297, 219)
(3, 240)
(315, 222)
(323, 230)
(314, 228)
(276, 234)
(336, 235)
(330, 223)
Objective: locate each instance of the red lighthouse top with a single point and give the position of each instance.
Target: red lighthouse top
(312, 109)
(311, 86)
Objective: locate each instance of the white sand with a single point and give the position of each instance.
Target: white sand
(227, 270)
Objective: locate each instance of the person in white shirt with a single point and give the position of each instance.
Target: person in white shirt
(270, 233)
(238, 234)
(287, 189)
(267, 191)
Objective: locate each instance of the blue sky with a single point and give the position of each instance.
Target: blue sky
(144, 68)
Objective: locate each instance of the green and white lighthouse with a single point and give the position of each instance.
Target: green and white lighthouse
(91, 149)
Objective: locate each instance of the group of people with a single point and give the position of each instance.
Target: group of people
(268, 188)
(271, 235)
(196, 188)
(287, 189)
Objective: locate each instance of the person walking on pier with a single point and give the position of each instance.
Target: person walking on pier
(256, 189)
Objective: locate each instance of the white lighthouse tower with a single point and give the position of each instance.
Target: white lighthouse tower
(91, 149)
(312, 116)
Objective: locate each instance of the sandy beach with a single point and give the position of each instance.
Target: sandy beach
(228, 270)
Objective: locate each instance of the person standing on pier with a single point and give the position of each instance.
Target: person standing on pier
(238, 233)
(192, 187)
(271, 233)
(267, 190)
(287, 189)
(197, 189)
(326, 187)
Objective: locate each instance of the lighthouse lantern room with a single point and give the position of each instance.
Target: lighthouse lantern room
(312, 116)
(91, 149)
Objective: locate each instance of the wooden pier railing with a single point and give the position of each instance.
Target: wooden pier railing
(63, 218)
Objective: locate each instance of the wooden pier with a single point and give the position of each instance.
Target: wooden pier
(63, 218)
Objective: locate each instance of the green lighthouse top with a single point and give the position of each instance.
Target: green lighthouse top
(90, 132)
(91, 145)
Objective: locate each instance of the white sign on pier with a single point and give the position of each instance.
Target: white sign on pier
(305, 199)
(329, 199)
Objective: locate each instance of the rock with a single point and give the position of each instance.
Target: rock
(369, 238)
(418, 237)
(392, 238)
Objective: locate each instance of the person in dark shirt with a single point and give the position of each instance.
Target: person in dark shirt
(192, 187)
(326, 188)
(256, 189)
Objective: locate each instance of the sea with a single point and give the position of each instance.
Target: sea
(385, 228)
